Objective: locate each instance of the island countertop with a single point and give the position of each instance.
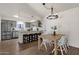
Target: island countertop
(29, 32)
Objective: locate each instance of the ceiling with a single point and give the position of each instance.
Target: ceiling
(24, 11)
(58, 7)
(31, 11)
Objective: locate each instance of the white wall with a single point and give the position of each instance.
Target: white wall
(0, 29)
(68, 22)
(12, 18)
(71, 20)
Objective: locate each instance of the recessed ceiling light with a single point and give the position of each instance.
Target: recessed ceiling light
(33, 20)
(16, 16)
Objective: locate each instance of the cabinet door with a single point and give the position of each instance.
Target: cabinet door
(27, 24)
(15, 34)
(14, 23)
(11, 25)
(8, 25)
(4, 25)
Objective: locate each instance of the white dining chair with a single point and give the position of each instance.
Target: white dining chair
(46, 43)
(67, 42)
(62, 44)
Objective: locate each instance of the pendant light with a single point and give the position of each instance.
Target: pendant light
(52, 16)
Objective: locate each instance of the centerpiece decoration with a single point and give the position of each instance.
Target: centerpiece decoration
(54, 28)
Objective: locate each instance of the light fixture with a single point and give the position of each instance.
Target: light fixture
(16, 16)
(33, 19)
(52, 15)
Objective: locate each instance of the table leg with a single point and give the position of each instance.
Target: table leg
(39, 43)
(55, 47)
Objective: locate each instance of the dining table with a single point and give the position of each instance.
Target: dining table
(53, 38)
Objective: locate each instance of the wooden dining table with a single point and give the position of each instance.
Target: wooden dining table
(53, 38)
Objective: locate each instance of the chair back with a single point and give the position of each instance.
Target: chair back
(62, 41)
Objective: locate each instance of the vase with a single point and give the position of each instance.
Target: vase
(54, 33)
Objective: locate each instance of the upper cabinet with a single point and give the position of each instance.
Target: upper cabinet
(7, 25)
(8, 29)
(39, 23)
(27, 24)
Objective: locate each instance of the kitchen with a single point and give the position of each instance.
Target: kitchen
(12, 29)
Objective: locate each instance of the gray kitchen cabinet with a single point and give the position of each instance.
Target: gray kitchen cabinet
(7, 30)
(27, 24)
(14, 34)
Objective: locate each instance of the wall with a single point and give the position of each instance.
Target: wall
(0, 29)
(68, 23)
(12, 18)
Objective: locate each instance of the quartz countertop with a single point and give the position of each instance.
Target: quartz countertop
(29, 32)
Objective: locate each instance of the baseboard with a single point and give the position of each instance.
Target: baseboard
(73, 46)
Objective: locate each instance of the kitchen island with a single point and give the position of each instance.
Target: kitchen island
(29, 36)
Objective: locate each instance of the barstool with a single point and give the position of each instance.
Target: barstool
(33, 37)
(25, 38)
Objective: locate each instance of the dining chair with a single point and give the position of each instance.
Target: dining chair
(62, 44)
(67, 42)
(46, 43)
(66, 34)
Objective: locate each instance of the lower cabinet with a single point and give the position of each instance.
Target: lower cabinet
(14, 35)
(27, 38)
(7, 35)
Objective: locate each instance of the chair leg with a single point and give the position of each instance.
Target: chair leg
(45, 46)
(61, 50)
(65, 48)
(41, 46)
(53, 50)
(68, 45)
